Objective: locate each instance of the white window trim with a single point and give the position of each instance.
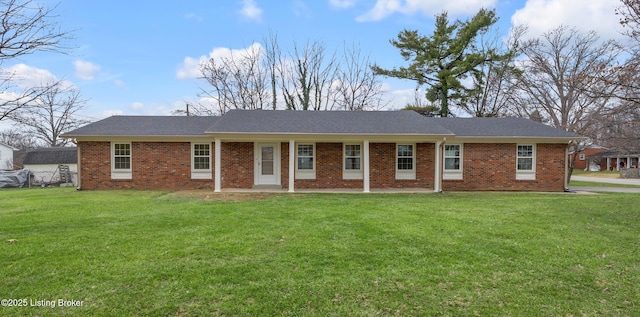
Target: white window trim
(581, 157)
(527, 174)
(306, 174)
(452, 174)
(347, 173)
(121, 173)
(406, 174)
(200, 173)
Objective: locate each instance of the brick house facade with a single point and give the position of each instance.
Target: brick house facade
(330, 150)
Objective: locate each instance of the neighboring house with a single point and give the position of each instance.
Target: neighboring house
(245, 149)
(613, 160)
(44, 163)
(6, 156)
(590, 159)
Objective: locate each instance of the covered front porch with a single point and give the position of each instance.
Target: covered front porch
(328, 163)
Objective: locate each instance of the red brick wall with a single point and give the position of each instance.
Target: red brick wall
(383, 166)
(237, 165)
(167, 165)
(328, 169)
(154, 165)
(493, 167)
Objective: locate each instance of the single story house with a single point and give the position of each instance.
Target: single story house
(589, 159)
(285, 149)
(6, 156)
(45, 163)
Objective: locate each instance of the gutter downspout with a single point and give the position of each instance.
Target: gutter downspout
(79, 171)
(437, 186)
(566, 168)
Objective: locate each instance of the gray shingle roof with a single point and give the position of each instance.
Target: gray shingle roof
(318, 122)
(145, 126)
(500, 127)
(54, 155)
(325, 122)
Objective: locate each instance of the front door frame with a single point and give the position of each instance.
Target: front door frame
(257, 166)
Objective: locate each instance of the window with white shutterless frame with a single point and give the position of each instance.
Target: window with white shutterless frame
(526, 162)
(201, 161)
(453, 154)
(121, 160)
(305, 161)
(405, 161)
(352, 161)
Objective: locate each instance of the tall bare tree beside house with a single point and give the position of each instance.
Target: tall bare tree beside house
(26, 27)
(559, 84)
(307, 76)
(53, 114)
(357, 87)
(237, 81)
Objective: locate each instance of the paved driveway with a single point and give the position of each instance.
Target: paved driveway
(605, 180)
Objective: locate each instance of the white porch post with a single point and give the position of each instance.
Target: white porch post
(292, 165)
(366, 179)
(608, 163)
(437, 182)
(217, 185)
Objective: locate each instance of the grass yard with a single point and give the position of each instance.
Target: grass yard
(151, 253)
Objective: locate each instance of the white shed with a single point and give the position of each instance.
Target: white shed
(6, 156)
(44, 163)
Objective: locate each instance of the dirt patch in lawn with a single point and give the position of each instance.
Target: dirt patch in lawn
(208, 195)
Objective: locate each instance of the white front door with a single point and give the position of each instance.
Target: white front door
(268, 164)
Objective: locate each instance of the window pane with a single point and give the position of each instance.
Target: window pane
(201, 163)
(352, 163)
(405, 163)
(405, 150)
(452, 150)
(352, 150)
(305, 150)
(267, 153)
(267, 167)
(201, 149)
(525, 164)
(525, 150)
(305, 163)
(452, 163)
(122, 163)
(121, 149)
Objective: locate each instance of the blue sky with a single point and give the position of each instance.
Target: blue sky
(139, 57)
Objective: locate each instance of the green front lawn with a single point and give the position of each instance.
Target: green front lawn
(151, 253)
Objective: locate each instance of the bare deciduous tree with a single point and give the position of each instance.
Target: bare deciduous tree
(238, 81)
(25, 27)
(561, 84)
(493, 82)
(306, 78)
(558, 80)
(357, 87)
(53, 114)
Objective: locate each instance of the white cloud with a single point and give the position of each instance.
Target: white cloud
(190, 68)
(250, 10)
(385, 8)
(342, 4)
(544, 15)
(86, 70)
(25, 76)
(137, 105)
